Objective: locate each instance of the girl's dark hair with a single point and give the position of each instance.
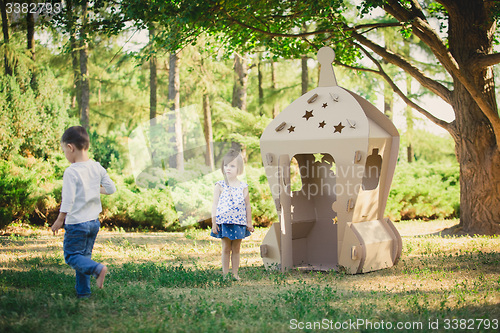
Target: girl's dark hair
(78, 136)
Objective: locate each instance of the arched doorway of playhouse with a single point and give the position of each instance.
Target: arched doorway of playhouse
(314, 230)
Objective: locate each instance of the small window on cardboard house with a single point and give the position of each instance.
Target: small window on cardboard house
(372, 171)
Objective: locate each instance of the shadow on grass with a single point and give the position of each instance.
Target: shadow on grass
(290, 298)
(35, 278)
(168, 276)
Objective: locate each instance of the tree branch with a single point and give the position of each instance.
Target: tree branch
(311, 33)
(274, 34)
(374, 26)
(445, 125)
(361, 69)
(430, 84)
(486, 60)
(424, 31)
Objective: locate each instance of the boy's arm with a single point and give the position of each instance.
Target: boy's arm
(107, 185)
(59, 222)
(68, 199)
(102, 190)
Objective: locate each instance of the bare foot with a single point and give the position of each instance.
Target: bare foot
(236, 277)
(101, 277)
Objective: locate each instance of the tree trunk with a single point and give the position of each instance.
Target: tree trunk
(176, 160)
(5, 29)
(99, 101)
(408, 109)
(409, 153)
(274, 86)
(305, 75)
(409, 121)
(388, 99)
(388, 92)
(75, 58)
(479, 186)
(84, 72)
(153, 82)
(476, 148)
(30, 36)
(207, 128)
(240, 83)
(261, 89)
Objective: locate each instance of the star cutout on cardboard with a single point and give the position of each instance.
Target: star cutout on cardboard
(291, 129)
(325, 105)
(308, 114)
(339, 128)
(318, 157)
(322, 124)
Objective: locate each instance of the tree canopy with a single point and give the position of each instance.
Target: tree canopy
(460, 35)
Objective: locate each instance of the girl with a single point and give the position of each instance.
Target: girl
(231, 213)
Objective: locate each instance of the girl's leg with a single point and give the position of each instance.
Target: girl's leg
(235, 257)
(226, 253)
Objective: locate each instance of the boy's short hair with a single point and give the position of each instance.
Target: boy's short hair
(230, 156)
(78, 136)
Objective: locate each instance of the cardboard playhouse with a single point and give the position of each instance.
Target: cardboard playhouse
(342, 152)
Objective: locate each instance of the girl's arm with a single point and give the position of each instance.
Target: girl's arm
(249, 210)
(217, 192)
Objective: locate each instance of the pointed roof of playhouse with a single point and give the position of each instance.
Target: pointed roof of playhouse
(328, 112)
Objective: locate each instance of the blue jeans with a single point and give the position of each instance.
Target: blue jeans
(78, 244)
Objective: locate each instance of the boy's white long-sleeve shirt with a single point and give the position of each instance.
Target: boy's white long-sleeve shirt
(81, 198)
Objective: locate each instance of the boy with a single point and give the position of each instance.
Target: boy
(83, 182)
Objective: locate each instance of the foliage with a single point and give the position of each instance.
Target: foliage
(176, 205)
(425, 191)
(32, 119)
(15, 201)
(26, 185)
(136, 208)
(31, 191)
(105, 150)
(103, 17)
(248, 24)
(294, 29)
(261, 200)
(429, 147)
(233, 124)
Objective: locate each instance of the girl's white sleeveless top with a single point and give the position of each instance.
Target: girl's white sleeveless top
(231, 207)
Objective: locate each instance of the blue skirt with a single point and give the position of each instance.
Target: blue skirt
(231, 231)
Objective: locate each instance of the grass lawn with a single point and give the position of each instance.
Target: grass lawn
(171, 282)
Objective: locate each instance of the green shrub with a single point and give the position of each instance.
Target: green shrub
(138, 208)
(23, 182)
(424, 191)
(261, 200)
(31, 190)
(32, 120)
(16, 187)
(104, 149)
